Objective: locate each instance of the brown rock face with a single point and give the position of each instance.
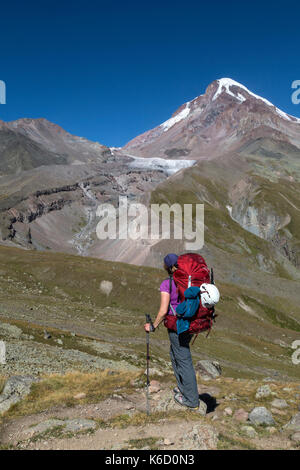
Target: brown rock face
(154, 387)
(241, 415)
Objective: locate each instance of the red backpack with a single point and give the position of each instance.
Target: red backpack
(192, 271)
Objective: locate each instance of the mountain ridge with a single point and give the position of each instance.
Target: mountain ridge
(197, 125)
(241, 141)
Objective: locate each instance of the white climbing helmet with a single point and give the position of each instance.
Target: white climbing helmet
(210, 295)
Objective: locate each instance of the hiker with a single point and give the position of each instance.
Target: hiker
(187, 391)
(181, 330)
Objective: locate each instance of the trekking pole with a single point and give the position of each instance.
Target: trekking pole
(148, 320)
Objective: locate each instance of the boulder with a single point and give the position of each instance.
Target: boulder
(80, 396)
(79, 424)
(168, 442)
(202, 410)
(241, 415)
(249, 431)
(106, 287)
(129, 406)
(70, 425)
(296, 437)
(228, 412)
(260, 416)
(47, 335)
(294, 424)
(263, 392)
(279, 403)
(167, 403)
(201, 437)
(2, 353)
(208, 369)
(44, 426)
(276, 411)
(15, 389)
(154, 386)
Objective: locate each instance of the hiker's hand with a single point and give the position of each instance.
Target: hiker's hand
(149, 328)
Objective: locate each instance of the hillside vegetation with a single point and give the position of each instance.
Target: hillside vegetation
(92, 326)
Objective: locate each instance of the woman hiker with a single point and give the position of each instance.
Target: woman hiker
(186, 392)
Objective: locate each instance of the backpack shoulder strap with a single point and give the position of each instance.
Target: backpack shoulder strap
(170, 290)
(170, 285)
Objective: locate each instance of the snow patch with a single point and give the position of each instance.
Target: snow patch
(229, 208)
(167, 165)
(178, 117)
(228, 82)
(241, 98)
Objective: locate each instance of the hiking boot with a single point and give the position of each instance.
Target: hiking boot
(179, 399)
(176, 390)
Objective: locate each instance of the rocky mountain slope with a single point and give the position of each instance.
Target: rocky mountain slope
(48, 137)
(52, 182)
(247, 155)
(231, 138)
(229, 149)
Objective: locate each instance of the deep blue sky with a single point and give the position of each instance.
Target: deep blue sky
(109, 70)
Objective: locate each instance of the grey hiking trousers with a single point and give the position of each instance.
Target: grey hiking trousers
(184, 371)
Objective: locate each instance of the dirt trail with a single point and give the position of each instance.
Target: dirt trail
(118, 438)
(119, 421)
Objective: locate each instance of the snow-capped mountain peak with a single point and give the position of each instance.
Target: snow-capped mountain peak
(226, 84)
(215, 122)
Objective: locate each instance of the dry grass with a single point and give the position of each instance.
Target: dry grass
(59, 390)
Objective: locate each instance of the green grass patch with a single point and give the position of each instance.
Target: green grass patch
(150, 442)
(226, 442)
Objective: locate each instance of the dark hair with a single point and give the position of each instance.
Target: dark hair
(170, 269)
